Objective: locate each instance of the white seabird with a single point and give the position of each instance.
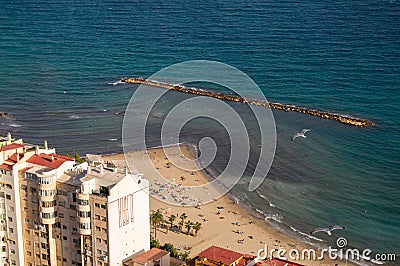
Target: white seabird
(327, 230)
(300, 134)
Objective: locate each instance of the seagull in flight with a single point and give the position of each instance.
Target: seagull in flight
(300, 134)
(327, 230)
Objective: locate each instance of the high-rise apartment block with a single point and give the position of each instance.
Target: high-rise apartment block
(54, 211)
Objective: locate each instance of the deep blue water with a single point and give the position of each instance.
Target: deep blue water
(56, 61)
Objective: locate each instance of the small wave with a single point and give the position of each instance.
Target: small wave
(275, 217)
(14, 125)
(265, 198)
(104, 110)
(260, 212)
(304, 234)
(74, 117)
(112, 139)
(116, 82)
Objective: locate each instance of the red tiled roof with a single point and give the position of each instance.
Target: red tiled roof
(5, 167)
(25, 169)
(277, 262)
(223, 255)
(246, 260)
(13, 158)
(11, 146)
(49, 160)
(152, 254)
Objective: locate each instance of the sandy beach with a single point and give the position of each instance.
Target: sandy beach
(223, 222)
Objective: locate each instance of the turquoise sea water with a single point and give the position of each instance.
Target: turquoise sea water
(57, 61)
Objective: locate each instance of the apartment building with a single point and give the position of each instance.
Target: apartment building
(55, 212)
(113, 212)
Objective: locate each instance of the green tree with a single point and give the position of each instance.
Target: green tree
(184, 256)
(180, 224)
(171, 220)
(78, 158)
(171, 249)
(188, 226)
(156, 219)
(196, 228)
(183, 217)
(154, 243)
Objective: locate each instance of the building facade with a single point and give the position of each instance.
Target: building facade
(56, 212)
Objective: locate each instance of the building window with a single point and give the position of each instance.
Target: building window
(72, 207)
(61, 215)
(26, 220)
(31, 176)
(11, 208)
(64, 227)
(8, 196)
(11, 230)
(12, 251)
(47, 192)
(49, 204)
(84, 214)
(83, 202)
(46, 180)
(65, 238)
(84, 225)
(50, 215)
(10, 219)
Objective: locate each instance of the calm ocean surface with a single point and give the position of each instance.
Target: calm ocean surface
(57, 60)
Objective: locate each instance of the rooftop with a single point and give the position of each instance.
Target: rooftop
(71, 178)
(11, 146)
(222, 255)
(53, 161)
(277, 262)
(105, 177)
(151, 255)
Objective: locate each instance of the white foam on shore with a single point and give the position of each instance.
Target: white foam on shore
(304, 234)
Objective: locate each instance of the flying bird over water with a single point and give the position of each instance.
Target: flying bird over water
(327, 230)
(300, 134)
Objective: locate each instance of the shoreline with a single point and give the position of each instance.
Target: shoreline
(237, 227)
